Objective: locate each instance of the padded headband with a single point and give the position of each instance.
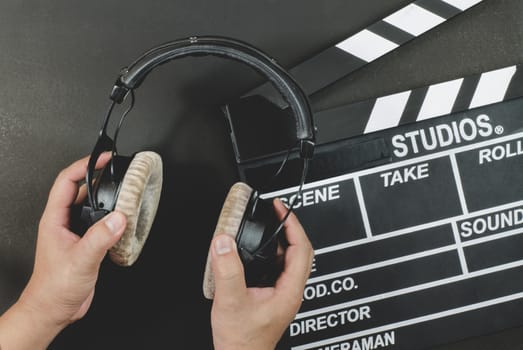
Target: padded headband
(135, 74)
(131, 77)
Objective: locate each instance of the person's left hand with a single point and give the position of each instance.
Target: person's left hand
(61, 287)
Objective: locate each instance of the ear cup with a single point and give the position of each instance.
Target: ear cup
(229, 223)
(138, 199)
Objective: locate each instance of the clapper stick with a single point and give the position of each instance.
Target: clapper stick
(415, 105)
(422, 103)
(325, 68)
(369, 44)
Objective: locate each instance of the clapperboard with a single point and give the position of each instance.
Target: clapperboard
(413, 201)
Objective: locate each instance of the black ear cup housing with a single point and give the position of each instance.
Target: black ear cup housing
(256, 244)
(106, 188)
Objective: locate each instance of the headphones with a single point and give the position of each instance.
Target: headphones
(132, 184)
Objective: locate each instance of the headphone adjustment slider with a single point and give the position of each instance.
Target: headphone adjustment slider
(306, 149)
(119, 92)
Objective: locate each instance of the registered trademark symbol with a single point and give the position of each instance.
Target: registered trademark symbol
(499, 130)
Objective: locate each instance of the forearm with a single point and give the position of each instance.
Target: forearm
(23, 328)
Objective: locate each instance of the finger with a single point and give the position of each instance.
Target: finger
(65, 189)
(82, 194)
(292, 220)
(298, 255)
(229, 279)
(92, 248)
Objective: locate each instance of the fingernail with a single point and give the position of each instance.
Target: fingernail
(223, 245)
(114, 222)
(285, 204)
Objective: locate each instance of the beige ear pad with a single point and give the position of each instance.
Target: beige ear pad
(138, 199)
(229, 223)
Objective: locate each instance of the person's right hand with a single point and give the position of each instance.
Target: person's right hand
(255, 318)
(66, 266)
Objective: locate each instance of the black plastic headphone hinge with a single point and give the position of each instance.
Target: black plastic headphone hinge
(91, 216)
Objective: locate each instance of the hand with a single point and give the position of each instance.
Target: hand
(61, 287)
(255, 318)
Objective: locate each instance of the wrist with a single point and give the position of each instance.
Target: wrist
(24, 326)
(42, 307)
(40, 316)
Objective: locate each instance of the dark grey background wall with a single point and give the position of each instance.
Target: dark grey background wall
(58, 61)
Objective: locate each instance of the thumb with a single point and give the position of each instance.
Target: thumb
(100, 237)
(227, 267)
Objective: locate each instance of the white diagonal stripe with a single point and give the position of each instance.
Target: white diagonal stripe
(414, 19)
(387, 111)
(492, 86)
(366, 45)
(462, 4)
(440, 99)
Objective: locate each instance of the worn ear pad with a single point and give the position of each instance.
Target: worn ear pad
(138, 199)
(229, 223)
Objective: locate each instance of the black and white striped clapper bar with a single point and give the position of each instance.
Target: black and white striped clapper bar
(330, 65)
